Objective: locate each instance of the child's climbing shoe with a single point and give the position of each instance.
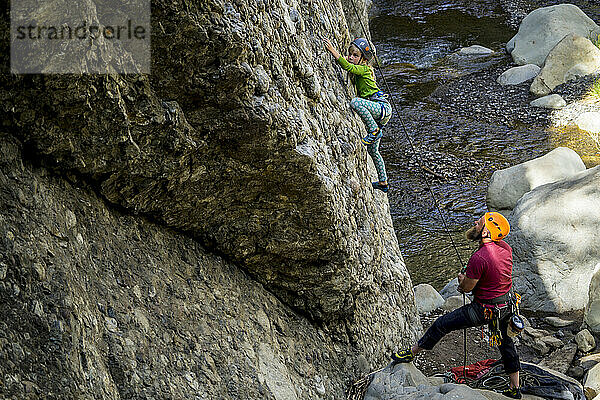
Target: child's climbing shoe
(403, 356)
(372, 137)
(513, 393)
(383, 188)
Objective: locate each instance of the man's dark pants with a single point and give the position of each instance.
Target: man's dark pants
(468, 316)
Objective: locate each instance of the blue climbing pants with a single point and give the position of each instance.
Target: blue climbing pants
(468, 316)
(372, 112)
(373, 150)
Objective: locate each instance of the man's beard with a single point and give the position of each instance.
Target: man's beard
(473, 234)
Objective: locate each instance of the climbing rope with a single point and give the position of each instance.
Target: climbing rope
(412, 146)
(493, 380)
(358, 388)
(421, 168)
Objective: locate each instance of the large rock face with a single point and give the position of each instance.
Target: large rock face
(98, 304)
(543, 28)
(554, 236)
(242, 138)
(592, 308)
(508, 185)
(573, 57)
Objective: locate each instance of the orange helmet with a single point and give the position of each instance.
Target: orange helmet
(497, 225)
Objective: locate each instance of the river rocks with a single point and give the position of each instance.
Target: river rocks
(450, 289)
(554, 241)
(573, 57)
(592, 309)
(517, 75)
(507, 186)
(589, 121)
(475, 50)
(560, 359)
(591, 384)
(544, 27)
(427, 298)
(454, 302)
(590, 360)
(404, 381)
(585, 341)
(553, 101)
(558, 322)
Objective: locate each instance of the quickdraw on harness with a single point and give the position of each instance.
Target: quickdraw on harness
(492, 313)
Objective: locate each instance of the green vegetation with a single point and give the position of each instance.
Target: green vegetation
(595, 89)
(595, 38)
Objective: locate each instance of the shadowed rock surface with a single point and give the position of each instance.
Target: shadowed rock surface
(241, 138)
(99, 304)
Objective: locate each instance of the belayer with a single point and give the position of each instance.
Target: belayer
(371, 104)
(489, 276)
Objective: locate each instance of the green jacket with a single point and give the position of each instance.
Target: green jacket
(364, 77)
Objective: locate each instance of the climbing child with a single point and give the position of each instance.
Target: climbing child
(371, 104)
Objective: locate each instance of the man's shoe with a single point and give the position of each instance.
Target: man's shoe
(513, 393)
(372, 137)
(383, 188)
(403, 356)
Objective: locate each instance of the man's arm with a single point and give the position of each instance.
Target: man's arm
(465, 285)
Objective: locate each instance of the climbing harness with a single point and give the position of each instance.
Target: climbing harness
(493, 312)
(382, 99)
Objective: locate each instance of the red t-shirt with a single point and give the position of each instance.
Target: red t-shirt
(492, 265)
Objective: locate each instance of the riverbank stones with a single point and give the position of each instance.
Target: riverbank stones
(573, 57)
(589, 121)
(585, 341)
(543, 28)
(518, 75)
(508, 185)
(553, 101)
(427, 298)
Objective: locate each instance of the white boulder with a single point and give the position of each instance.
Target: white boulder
(454, 302)
(592, 309)
(544, 27)
(427, 298)
(591, 385)
(585, 341)
(517, 75)
(554, 101)
(558, 322)
(574, 56)
(508, 185)
(589, 121)
(556, 243)
(450, 289)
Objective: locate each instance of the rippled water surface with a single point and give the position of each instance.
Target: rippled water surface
(414, 42)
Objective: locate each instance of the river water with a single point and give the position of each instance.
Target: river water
(414, 40)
